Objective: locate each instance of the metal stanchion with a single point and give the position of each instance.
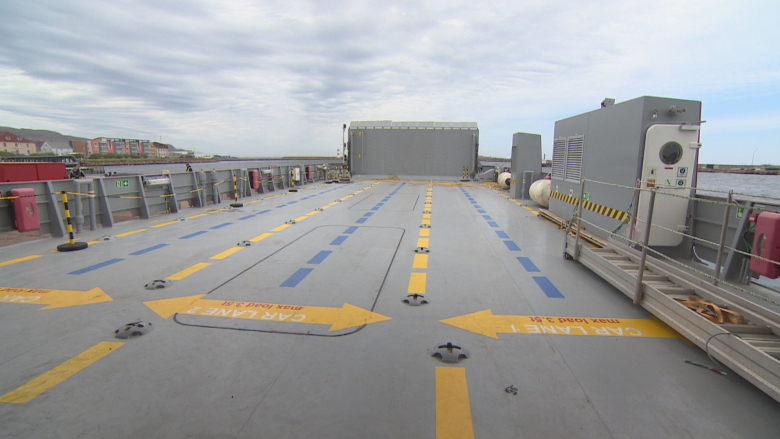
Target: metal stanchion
(723, 231)
(292, 182)
(579, 224)
(235, 192)
(646, 239)
(72, 245)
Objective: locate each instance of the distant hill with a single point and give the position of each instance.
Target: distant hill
(40, 135)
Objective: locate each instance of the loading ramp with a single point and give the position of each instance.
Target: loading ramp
(753, 351)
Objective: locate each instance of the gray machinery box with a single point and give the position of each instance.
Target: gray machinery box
(650, 141)
(526, 163)
(435, 149)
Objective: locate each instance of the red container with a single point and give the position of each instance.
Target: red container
(767, 245)
(309, 173)
(11, 172)
(25, 210)
(255, 179)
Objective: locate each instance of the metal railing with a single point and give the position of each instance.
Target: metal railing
(644, 244)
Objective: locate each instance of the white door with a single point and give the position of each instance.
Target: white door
(670, 157)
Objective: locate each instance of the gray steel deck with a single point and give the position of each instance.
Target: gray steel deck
(212, 369)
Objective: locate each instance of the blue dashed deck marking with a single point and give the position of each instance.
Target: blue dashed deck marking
(292, 202)
(297, 277)
(478, 206)
(361, 220)
(480, 211)
(192, 235)
(265, 211)
(96, 266)
(339, 240)
(528, 264)
(548, 288)
(512, 246)
(487, 217)
(246, 217)
(374, 208)
(147, 250)
(502, 235)
(319, 257)
(350, 230)
(279, 207)
(473, 202)
(492, 224)
(219, 226)
(380, 204)
(368, 213)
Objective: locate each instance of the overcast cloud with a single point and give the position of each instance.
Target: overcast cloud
(272, 78)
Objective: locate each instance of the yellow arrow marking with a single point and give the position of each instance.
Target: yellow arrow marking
(33, 388)
(453, 410)
(226, 253)
(487, 324)
(130, 233)
(348, 316)
(53, 298)
(14, 261)
(168, 307)
(261, 237)
(188, 271)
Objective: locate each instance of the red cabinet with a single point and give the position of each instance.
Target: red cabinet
(25, 210)
(767, 245)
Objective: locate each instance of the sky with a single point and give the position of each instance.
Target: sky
(279, 78)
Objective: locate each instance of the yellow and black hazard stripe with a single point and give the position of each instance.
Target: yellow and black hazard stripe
(593, 207)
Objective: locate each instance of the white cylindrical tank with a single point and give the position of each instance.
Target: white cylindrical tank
(503, 179)
(540, 192)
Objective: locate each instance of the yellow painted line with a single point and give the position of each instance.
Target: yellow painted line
(14, 261)
(428, 206)
(130, 233)
(92, 242)
(260, 237)
(165, 224)
(427, 215)
(152, 222)
(218, 210)
(417, 283)
(250, 202)
(426, 221)
(428, 200)
(197, 216)
(425, 232)
(422, 242)
(333, 203)
(453, 410)
(490, 325)
(301, 218)
(226, 253)
(420, 261)
(188, 271)
(280, 228)
(325, 207)
(35, 387)
(313, 212)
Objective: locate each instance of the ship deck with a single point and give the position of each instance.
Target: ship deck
(303, 333)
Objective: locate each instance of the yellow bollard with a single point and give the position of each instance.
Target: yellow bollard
(72, 245)
(235, 192)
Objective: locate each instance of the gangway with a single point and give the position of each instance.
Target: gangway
(752, 350)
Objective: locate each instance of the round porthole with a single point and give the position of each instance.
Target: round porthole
(671, 153)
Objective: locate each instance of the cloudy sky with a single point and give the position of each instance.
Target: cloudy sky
(272, 78)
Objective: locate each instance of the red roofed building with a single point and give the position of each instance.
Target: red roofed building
(15, 144)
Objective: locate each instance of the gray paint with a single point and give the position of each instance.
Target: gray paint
(380, 149)
(613, 152)
(526, 163)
